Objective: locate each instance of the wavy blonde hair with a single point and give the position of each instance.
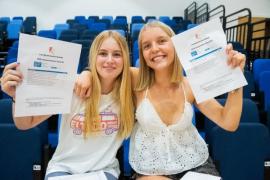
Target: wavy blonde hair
(122, 92)
(146, 76)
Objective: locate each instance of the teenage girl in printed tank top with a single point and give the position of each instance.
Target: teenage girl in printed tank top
(164, 144)
(93, 131)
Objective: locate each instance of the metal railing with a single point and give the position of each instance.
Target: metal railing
(191, 12)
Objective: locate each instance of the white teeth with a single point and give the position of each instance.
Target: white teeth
(157, 58)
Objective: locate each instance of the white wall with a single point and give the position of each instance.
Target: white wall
(50, 12)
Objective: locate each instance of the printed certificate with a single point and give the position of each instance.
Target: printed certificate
(201, 51)
(49, 70)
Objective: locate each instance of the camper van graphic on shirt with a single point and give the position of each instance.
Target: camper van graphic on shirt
(108, 123)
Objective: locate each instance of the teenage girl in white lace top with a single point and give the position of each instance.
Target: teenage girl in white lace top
(164, 143)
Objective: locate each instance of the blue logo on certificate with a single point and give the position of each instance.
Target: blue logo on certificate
(194, 53)
(37, 64)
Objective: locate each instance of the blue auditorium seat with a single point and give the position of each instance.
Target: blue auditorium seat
(120, 24)
(150, 18)
(164, 18)
(259, 66)
(7, 19)
(177, 19)
(99, 26)
(95, 18)
(84, 59)
(47, 34)
(264, 86)
(121, 32)
(135, 30)
(189, 26)
(13, 29)
(89, 34)
(135, 53)
(80, 19)
(69, 35)
(109, 18)
(137, 19)
(12, 55)
(249, 89)
(79, 27)
(240, 154)
(29, 25)
(18, 17)
(59, 28)
(22, 152)
(84, 43)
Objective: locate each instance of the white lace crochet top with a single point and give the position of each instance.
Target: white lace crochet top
(158, 149)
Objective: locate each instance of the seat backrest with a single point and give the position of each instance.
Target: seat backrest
(135, 52)
(6, 111)
(12, 54)
(13, 30)
(99, 26)
(109, 18)
(259, 66)
(79, 19)
(84, 43)
(19, 152)
(240, 154)
(249, 89)
(47, 34)
(264, 86)
(7, 19)
(164, 18)
(84, 59)
(177, 19)
(149, 18)
(137, 19)
(59, 28)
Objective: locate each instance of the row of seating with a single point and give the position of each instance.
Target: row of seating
(27, 152)
(10, 28)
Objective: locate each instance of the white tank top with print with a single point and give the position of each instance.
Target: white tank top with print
(158, 149)
(75, 154)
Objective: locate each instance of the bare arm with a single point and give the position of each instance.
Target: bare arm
(83, 82)
(227, 116)
(11, 78)
(28, 122)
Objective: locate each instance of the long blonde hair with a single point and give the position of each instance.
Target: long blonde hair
(146, 76)
(122, 92)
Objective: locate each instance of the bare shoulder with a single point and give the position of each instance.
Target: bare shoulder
(134, 76)
(134, 71)
(188, 91)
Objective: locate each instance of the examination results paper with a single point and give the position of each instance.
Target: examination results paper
(201, 51)
(49, 70)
